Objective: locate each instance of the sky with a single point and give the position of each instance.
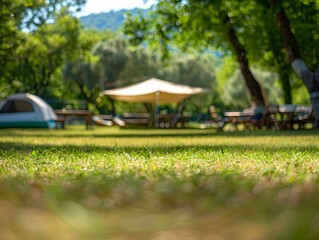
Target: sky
(97, 6)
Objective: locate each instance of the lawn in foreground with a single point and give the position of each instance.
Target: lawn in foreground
(110, 183)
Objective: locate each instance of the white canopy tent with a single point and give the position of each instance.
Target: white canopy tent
(154, 91)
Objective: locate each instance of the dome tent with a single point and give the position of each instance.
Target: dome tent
(24, 110)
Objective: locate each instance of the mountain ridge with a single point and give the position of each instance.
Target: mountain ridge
(112, 20)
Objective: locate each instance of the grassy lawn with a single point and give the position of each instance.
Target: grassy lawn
(110, 183)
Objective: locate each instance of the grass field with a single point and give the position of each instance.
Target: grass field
(110, 183)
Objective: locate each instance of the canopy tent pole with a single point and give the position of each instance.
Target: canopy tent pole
(156, 117)
(113, 113)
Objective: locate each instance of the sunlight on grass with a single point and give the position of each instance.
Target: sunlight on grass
(111, 183)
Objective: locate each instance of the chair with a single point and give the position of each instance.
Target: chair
(218, 122)
(252, 118)
(108, 120)
(99, 120)
(270, 120)
(137, 118)
(304, 115)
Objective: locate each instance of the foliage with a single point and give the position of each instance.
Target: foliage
(309, 77)
(268, 48)
(299, 91)
(236, 93)
(40, 40)
(120, 65)
(194, 71)
(36, 25)
(261, 37)
(81, 74)
(119, 183)
(200, 25)
(107, 63)
(303, 15)
(195, 26)
(43, 54)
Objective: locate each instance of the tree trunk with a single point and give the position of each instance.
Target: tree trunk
(309, 78)
(283, 69)
(253, 86)
(285, 85)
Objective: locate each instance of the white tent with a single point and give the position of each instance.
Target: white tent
(26, 110)
(153, 91)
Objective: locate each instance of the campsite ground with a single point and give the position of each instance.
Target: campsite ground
(110, 183)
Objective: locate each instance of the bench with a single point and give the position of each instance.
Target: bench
(60, 122)
(85, 114)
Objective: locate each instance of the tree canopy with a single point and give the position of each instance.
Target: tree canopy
(35, 38)
(44, 50)
(246, 28)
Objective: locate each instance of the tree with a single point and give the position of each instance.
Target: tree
(80, 73)
(263, 42)
(22, 25)
(84, 76)
(44, 52)
(141, 65)
(107, 63)
(310, 78)
(195, 24)
(194, 71)
(113, 63)
(235, 93)
(113, 55)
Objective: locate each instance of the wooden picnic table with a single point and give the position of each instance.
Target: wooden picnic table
(285, 117)
(289, 115)
(286, 114)
(238, 117)
(172, 120)
(85, 114)
(281, 117)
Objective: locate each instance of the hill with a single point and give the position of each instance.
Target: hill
(112, 20)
